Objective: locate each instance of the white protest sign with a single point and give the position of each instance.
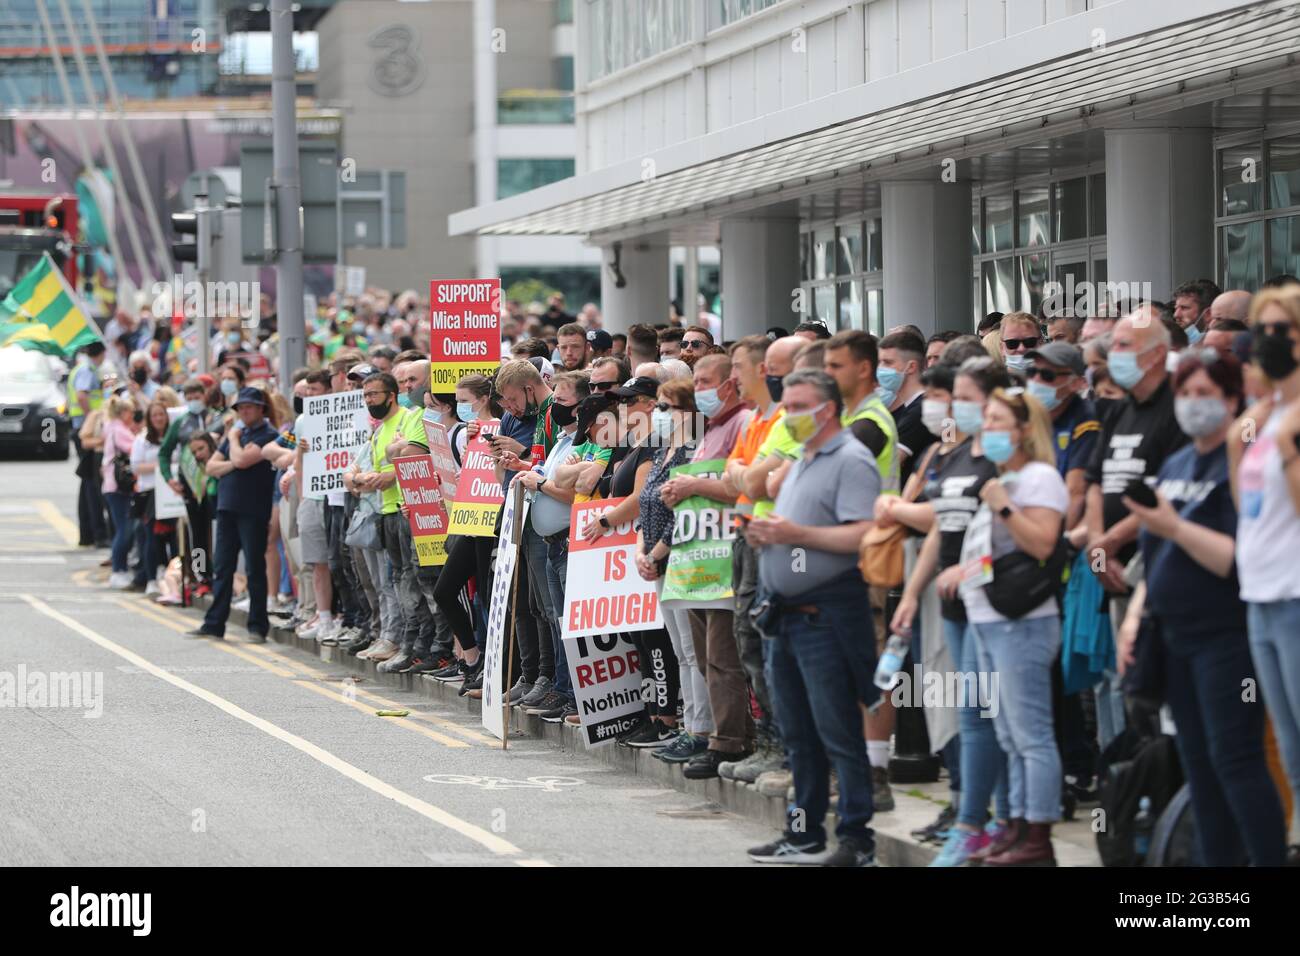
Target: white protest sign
(606, 675)
(167, 504)
(498, 610)
(354, 280)
(443, 460)
(336, 428)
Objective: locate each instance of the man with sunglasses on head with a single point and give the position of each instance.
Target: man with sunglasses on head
(1056, 378)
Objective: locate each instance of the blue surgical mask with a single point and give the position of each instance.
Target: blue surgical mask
(196, 406)
(661, 424)
(556, 359)
(1194, 334)
(405, 401)
(229, 386)
(1017, 362)
(890, 380)
(465, 411)
(233, 338)
(885, 395)
(707, 401)
(1044, 393)
(998, 446)
(1124, 369)
(968, 417)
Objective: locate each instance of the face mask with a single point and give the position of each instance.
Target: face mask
(1274, 354)
(1124, 369)
(707, 402)
(1044, 393)
(138, 417)
(556, 359)
(885, 395)
(562, 415)
(228, 387)
(233, 338)
(775, 387)
(416, 396)
(661, 424)
(405, 401)
(803, 426)
(378, 411)
(196, 406)
(998, 446)
(139, 375)
(530, 409)
(968, 416)
(1194, 334)
(1017, 363)
(1199, 417)
(465, 411)
(933, 415)
(890, 381)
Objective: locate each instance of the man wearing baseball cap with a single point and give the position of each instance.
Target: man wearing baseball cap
(245, 484)
(1055, 373)
(599, 342)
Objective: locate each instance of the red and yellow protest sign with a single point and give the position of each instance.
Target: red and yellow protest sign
(604, 593)
(425, 511)
(478, 491)
(464, 330)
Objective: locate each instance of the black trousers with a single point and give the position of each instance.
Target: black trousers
(469, 557)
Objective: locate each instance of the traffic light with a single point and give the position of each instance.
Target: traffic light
(186, 224)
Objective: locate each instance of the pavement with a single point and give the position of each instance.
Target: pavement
(236, 752)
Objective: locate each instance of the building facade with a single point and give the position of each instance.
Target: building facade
(884, 162)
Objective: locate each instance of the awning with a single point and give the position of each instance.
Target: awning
(1219, 54)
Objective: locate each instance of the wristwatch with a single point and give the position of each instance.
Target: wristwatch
(1005, 511)
(541, 484)
(604, 522)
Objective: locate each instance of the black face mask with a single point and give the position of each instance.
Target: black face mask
(139, 375)
(775, 387)
(297, 404)
(379, 411)
(1274, 354)
(138, 416)
(562, 415)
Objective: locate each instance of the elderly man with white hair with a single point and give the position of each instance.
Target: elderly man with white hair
(1135, 440)
(141, 371)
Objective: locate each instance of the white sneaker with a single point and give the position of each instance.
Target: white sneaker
(328, 631)
(241, 604)
(151, 588)
(119, 579)
(314, 628)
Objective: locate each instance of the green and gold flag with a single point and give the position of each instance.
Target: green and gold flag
(42, 313)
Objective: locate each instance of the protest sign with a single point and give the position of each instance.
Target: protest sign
(167, 504)
(336, 428)
(444, 462)
(478, 492)
(606, 675)
(604, 593)
(699, 565)
(193, 475)
(424, 508)
(494, 651)
(464, 330)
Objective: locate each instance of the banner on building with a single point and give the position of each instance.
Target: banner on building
(478, 492)
(513, 516)
(464, 330)
(444, 462)
(699, 565)
(606, 674)
(336, 428)
(425, 511)
(604, 593)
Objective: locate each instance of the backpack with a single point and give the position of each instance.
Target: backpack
(1135, 768)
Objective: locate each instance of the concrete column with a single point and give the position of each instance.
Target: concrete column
(760, 271)
(645, 295)
(1159, 207)
(926, 251)
(485, 129)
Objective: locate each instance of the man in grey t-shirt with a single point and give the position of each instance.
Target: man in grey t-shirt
(822, 653)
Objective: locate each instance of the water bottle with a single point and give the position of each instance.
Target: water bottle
(1143, 824)
(891, 661)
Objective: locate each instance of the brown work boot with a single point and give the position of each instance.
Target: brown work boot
(1013, 834)
(383, 651)
(1034, 850)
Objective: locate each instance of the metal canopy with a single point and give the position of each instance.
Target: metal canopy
(1137, 77)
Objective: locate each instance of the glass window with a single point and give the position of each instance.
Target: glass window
(823, 254)
(999, 293)
(1239, 176)
(824, 305)
(1070, 210)
(876, 312)
(1032, 208)
(1284, 246)
(804, 262)
(1241, 248)
(516, 176)
(850, 295)
(875, 245)
(997, 223)
(1032, 275)
(1071, 277)
(1284, 172)
(848, 250)
(563, 11)
(1097, 202)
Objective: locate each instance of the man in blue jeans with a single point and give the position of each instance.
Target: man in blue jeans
(245, 485)
(813, 604)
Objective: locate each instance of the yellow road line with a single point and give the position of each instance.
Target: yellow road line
(484, 838)
(47, 510)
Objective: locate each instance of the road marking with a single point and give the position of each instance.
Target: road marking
(489, 841)
(28, 558)
(54, 517)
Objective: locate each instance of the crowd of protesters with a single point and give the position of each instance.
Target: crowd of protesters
(1097, 510)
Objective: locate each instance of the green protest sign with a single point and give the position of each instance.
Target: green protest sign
(195, 477)
(699, 565)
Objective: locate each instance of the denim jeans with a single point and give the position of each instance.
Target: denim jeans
(386, 625)
(814, 691)
(536, 653)
(1221, 745)
(697, 716)
(119, 507)
(1275, 648)
(236, 532)
(557, 578)
(983, 771)
(1021, 654)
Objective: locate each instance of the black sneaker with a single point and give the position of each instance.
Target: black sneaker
(851, 853)
(554, 701)
(473, 677)
(705, 766)
(791, 849)
(426, 666)
(653, 734)
(636, 728)
(937, 831)
(557, 716)
(451, 673)
(357, 644)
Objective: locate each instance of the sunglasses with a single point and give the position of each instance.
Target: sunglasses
(1013, 344)
(694, 344)
(603, 386)
(667, 407)
(1282, 329)
(1046, 374)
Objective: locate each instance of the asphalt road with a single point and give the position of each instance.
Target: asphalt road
(224, 753)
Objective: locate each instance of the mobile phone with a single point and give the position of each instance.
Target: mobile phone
(1141, 492)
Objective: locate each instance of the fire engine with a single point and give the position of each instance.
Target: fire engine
(32, 224)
